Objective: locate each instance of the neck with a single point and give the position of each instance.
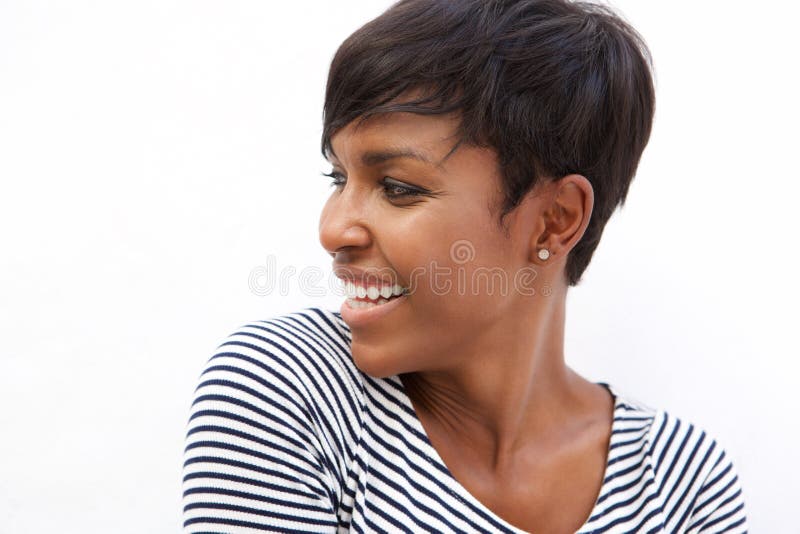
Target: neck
(510, 389)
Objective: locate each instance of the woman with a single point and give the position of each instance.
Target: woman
(478, 149)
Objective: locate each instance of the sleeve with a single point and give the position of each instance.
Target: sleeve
(254, 460)
(719, 505)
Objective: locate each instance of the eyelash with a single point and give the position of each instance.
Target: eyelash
(338, 178)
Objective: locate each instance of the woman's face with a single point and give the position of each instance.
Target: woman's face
(405, 214)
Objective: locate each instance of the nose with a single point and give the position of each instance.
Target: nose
(342, 224)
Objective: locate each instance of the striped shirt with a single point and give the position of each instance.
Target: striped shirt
(286, 434)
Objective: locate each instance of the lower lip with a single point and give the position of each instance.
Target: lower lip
(359, 317)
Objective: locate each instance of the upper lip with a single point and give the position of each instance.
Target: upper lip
(372, 276)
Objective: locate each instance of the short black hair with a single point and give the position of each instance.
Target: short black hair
(555, 87)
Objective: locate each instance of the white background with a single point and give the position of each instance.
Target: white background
(153, 153)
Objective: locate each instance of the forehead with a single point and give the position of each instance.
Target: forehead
(427, 138)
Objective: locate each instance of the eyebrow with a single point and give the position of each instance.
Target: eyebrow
(376, 157)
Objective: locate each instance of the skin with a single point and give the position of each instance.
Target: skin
(485, 371)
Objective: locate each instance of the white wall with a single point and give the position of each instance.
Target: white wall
(153, 153)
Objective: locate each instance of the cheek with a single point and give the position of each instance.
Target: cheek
(455, 258)
(461, 279)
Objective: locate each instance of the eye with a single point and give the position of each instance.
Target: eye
(398, 190)
(337, 178)
(391, 188)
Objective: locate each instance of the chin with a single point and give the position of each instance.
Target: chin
(375, 360)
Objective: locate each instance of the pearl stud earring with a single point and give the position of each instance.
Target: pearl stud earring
(544, 254)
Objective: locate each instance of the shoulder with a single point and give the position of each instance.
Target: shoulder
(296, 366)
(273, 426)
(695, 479)
(696, 474)
(303, 350)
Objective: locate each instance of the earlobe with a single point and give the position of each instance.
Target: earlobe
(539, 249)
(539, 244)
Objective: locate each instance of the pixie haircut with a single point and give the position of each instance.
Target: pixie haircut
(554, 87)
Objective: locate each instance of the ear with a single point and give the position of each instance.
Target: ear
(565, 214)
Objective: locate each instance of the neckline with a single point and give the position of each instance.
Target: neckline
(474, 501)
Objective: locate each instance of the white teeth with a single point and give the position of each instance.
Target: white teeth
(353, 290)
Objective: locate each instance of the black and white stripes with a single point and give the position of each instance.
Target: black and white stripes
(287, 435)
